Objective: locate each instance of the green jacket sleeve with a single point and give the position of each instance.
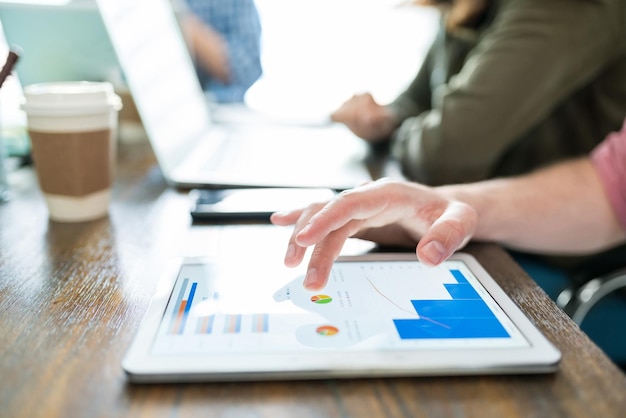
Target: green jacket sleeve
(533, 56)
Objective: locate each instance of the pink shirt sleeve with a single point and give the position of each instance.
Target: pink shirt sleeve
(609, 160)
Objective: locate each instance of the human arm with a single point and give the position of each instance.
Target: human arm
(529, 63)
(207, 46)
(572, 207)
(560, 209)
(236, 25)
(366, 118)
(375, 122)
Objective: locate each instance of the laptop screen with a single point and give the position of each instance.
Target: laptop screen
(59, 42)
(159, 73)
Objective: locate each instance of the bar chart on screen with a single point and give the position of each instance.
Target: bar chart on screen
(242, 307)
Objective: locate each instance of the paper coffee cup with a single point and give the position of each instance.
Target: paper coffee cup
(73, 128)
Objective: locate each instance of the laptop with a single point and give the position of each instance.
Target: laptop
(380, 315)
(69, 43)
(192, 148)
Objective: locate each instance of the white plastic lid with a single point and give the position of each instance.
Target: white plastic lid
(72, 97)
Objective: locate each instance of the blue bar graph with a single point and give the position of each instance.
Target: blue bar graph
(464, 316)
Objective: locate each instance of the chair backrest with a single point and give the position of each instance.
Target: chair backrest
(599, 265)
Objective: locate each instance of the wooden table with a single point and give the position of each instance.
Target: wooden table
(72, 296)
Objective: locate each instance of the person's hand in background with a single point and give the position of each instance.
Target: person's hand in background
(366, 118)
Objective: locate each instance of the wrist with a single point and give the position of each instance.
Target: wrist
(482, 197)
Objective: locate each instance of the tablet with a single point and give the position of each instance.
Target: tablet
(380, 314)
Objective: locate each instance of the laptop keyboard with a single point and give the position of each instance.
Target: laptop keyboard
(279, 155)
(245, 150)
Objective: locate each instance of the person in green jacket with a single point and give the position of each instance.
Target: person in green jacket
(507, 86)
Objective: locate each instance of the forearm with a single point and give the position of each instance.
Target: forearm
(560, 209)
(208, 48)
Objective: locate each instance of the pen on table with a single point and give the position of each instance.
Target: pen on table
(8, 66)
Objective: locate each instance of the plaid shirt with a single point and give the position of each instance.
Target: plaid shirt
(238, 22)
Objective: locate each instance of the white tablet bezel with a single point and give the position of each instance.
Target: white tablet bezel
(141, 365)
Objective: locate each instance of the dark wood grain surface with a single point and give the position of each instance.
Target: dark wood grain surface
(72, 297)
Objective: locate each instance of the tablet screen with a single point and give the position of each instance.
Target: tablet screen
(381, 305)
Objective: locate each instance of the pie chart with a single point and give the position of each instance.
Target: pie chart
(327, 330)
(321, 299)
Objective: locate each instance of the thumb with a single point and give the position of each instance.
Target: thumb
(451, 231)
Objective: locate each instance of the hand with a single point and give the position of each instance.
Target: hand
(385, 211)
(366, 118)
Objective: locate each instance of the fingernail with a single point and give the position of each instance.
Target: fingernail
(299, 240)
(304, 230)
(434, 252)
(310, 280)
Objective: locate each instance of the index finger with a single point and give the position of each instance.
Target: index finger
(355, 204)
